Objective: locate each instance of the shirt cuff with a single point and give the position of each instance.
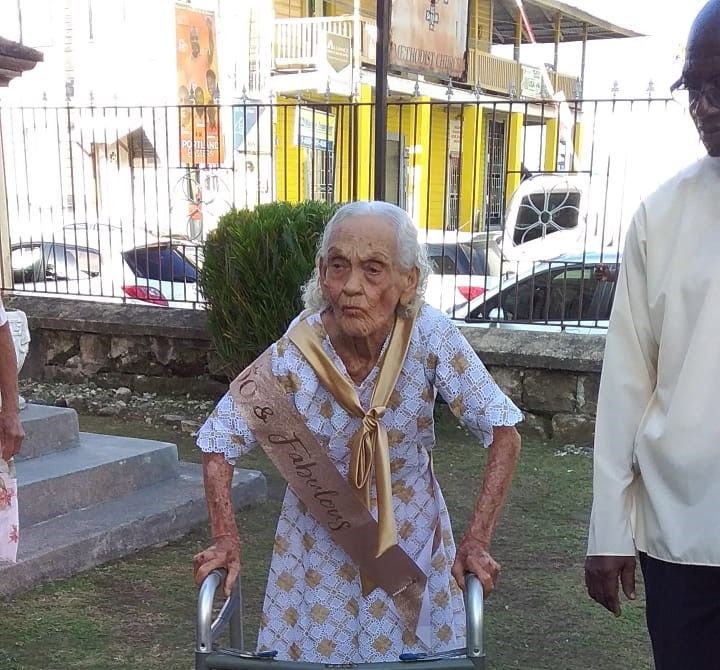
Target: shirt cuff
(611, 529)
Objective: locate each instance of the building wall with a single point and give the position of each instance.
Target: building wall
(290, 9)
(70, 165)
(289, 158)
(423, 128)
(480, 28)
(345, 7)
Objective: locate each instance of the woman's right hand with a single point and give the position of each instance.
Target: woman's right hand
(224, 552)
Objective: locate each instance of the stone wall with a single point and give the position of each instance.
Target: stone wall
(146, 349)
(553, 377)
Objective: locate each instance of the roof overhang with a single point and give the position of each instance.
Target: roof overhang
(15, 59)
(542, 16)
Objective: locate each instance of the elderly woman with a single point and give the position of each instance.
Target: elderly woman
(364, 565)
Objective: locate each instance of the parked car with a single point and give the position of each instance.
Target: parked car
(562, 294)
(545, 217)
(464, 266)
(155, 273)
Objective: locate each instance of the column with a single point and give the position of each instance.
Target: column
(472, 166)
(364, 140)
(514, 155)
(551, 145)
(578, 132)
(420, 162)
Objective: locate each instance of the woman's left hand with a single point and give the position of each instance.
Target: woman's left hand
(472, 556)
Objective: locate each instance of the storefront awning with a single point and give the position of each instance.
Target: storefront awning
(543, 15)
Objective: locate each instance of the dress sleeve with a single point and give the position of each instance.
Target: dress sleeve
(225, 432)
(463, 381)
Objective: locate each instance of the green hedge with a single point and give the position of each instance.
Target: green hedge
(255, 265)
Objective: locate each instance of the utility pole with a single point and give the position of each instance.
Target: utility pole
(382, 52)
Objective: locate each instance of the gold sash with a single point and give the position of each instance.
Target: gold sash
(369, 446)
(313, 477)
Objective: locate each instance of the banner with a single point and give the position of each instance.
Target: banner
(531, 85)
(430, 37)
(314, 129)
(197, 81)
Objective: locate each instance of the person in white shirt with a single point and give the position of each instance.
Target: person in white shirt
(11, 430)
(657, 446)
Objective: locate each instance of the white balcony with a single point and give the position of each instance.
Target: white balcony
(300, 46)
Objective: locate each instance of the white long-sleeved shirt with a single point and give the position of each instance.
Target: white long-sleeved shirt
(657, 442)
(3, 315)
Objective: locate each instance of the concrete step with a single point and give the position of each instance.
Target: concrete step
(82, 539)
(101, 468)
(48, 430)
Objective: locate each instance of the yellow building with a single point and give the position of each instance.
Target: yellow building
(453, 152)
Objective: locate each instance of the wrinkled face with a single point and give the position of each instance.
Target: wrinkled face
(361, 279)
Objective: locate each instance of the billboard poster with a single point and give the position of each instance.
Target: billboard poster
(430, 37)
(197, 87)
(314, 129)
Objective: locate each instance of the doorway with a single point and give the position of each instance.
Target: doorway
(395, 171)
(495, 171)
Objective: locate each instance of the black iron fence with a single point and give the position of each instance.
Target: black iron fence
(522, 205)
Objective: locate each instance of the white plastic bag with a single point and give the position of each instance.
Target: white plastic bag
(8, 512)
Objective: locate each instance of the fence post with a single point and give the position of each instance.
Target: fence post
(6, 282)
(381, 96)
(552, 136)
(472, 166)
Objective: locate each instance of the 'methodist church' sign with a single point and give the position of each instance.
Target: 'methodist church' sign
(430, 37)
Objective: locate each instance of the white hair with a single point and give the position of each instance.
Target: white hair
(411, 254)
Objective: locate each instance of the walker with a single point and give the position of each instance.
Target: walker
(210, 656)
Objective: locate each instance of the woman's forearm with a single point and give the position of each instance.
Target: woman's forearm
(503, 456)
(8, 371)
(217, 476)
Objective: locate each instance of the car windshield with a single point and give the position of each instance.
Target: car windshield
(475, 253)
(161, 263)
(454, 258)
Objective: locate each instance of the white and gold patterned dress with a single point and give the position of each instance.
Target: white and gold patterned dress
(314, 609)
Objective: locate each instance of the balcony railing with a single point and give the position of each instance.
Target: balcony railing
(300, 45)
(501, 75)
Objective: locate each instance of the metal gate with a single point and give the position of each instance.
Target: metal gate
(495, 170)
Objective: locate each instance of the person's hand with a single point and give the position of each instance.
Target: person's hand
(601, 578)
(472, 556)
(223, 553)
(604, 273)
(11, 434)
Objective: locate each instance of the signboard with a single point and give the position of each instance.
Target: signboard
(252, 127)
(532, 84)
(454, 132)
(430, 37)
(338, 49)
(337, 63)
(314, 129)
(197, 82)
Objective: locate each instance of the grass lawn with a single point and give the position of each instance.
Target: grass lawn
(138, 614)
